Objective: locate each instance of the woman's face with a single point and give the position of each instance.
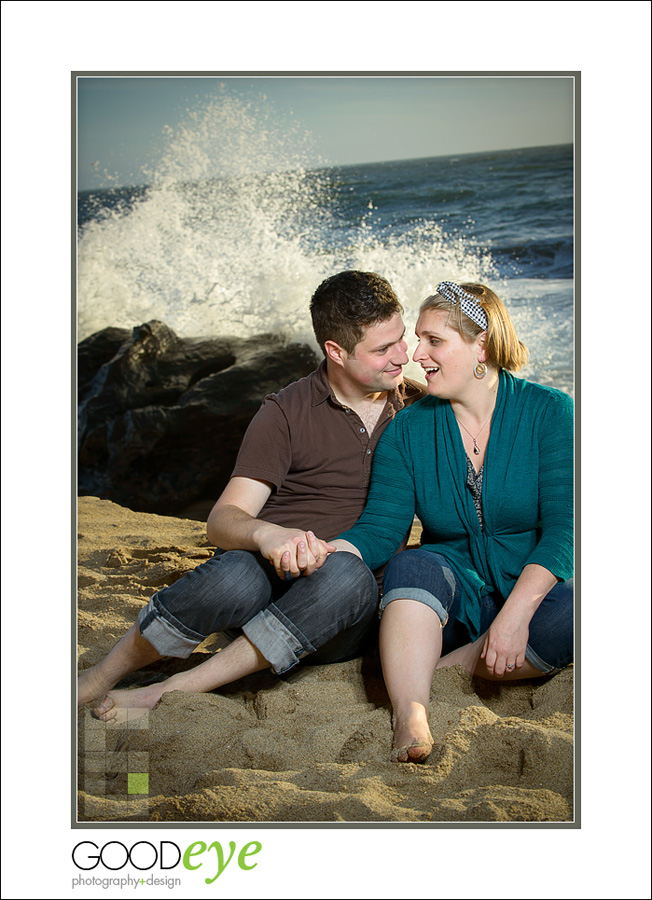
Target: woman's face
(446, 358)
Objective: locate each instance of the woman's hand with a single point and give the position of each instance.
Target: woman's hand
(505, 645)
(292, 551)
(310, 554)
(506, 641)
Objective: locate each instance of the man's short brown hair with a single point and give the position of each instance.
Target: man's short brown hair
(344, 304)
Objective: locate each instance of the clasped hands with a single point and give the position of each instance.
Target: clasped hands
(293, 551)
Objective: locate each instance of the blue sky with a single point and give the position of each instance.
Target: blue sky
(121, 119)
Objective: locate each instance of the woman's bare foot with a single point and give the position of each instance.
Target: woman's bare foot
(118, 707)
(467, 656)
(412, 739)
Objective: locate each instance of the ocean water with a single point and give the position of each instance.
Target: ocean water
(234, 232)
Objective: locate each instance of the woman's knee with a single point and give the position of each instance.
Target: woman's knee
(423, 577)
(420, 567)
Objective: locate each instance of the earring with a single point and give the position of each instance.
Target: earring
(480, 370)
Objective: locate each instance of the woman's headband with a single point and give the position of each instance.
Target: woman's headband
(467, 302)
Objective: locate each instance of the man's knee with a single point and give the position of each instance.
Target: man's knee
(347, 587)
(232, 581)
(346, 570)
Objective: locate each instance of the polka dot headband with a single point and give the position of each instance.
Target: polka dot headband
(467, 302)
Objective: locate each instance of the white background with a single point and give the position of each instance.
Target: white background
(609, 44)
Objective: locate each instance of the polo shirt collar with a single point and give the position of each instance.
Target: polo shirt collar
(321, 386)
(322, 390)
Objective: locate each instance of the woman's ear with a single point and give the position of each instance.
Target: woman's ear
(480, 341)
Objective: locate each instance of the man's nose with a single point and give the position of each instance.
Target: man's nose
(402, 353)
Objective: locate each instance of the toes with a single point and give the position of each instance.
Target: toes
(399, 754)
(104, 706)
(419, 750)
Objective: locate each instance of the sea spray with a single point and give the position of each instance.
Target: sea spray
(234, 232)
(221, 242)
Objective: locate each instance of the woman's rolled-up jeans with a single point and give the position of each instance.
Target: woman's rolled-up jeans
(429, 578)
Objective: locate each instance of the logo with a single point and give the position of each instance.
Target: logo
(143, 856)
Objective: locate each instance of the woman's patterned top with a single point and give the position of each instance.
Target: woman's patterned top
(474, 484)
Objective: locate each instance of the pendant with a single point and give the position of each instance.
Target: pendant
(475, 448)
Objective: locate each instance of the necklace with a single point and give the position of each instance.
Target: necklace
(476, 450)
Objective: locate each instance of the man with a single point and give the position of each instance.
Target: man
(305, 463)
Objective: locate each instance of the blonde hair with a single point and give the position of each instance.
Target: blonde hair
(503, 350)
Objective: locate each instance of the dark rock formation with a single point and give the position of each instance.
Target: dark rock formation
(161, 418)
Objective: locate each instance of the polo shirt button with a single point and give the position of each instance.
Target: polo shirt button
(362, 431)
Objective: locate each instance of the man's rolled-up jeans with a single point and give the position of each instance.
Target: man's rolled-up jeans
(330, 614)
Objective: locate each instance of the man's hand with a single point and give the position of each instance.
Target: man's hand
(233, 525)
(292, 551)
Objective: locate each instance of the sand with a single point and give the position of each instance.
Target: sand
(312, 746)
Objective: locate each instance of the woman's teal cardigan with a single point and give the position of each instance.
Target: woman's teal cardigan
(527, 491)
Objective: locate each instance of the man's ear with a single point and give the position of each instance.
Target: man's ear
(335, 353)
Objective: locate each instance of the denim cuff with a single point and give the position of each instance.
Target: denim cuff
(163, 635)
(538, 663)
(269, 631)
(418, 594)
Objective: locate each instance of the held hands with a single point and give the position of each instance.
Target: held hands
(294, 551)
(504, 646)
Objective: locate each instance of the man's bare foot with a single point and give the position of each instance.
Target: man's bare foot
(92, 684)
(412, 739)
(132, 652)
(119, 707)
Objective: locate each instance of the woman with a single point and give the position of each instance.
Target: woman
(486, 462)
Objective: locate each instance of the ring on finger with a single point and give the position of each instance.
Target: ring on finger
(509, 666)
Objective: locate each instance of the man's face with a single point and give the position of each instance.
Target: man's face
(377, 361)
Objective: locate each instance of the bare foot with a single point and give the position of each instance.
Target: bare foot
(412, 739)
(119, 707)
(131, 652)
(92, 684)
(467, 656)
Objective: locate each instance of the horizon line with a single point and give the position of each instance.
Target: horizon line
(324, 167)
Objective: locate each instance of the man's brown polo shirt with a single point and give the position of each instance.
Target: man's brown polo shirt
(316, 454)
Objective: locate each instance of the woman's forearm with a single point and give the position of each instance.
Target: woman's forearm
(345, 546)
(534, 583)
(506, 641)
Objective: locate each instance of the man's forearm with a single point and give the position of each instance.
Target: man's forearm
(231, 528)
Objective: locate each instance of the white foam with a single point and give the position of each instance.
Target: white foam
(235, 233)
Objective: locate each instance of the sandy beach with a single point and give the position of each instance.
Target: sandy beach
(311, 746)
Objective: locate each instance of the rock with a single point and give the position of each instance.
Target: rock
(161, 417)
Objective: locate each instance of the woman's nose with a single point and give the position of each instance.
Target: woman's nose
(418, 353)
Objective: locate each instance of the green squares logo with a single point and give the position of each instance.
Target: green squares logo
(138, 783)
